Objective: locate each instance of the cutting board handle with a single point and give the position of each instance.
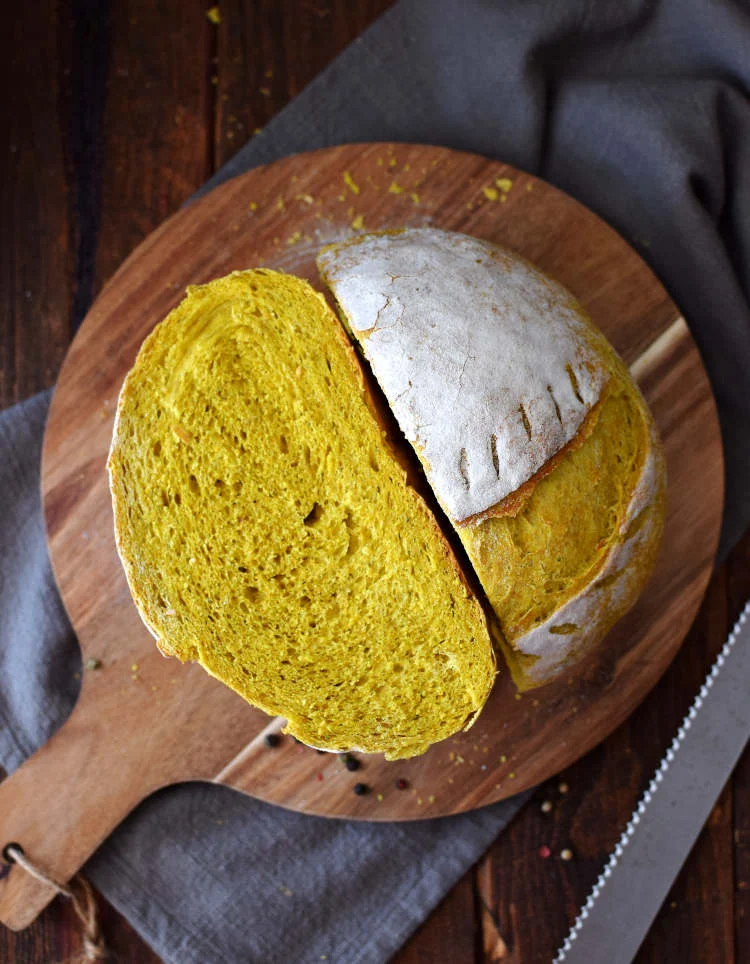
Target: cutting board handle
(79, 773)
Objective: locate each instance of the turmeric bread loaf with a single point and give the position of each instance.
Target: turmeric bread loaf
(267, 529)
(536, 441)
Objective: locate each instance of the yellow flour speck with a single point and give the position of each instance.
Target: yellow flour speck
(504, 183)
(214, 15)
(358, 223)
(490, 193)
(395, 188)
(351, 183)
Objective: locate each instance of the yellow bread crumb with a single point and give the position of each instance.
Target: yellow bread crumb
(351, 183)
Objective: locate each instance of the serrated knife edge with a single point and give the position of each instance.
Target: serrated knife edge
(633, 884)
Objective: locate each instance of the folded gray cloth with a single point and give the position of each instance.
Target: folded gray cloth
(640, 109)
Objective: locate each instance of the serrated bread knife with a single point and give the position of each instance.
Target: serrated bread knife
(673, 810)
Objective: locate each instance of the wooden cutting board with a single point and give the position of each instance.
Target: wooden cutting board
(143, 721)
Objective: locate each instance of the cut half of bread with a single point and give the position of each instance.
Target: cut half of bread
(267, 529)
(534, 438)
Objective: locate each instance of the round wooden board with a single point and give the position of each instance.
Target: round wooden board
(143, 722)
(280, 216)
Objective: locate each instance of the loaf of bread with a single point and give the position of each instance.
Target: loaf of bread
(534, 438)
(268, 531)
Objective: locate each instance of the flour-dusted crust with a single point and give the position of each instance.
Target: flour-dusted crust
(453, 328)
(495, 375)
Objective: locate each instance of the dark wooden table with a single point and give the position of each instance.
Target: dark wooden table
(114, 112)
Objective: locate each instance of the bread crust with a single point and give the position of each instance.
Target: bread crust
(388, 287)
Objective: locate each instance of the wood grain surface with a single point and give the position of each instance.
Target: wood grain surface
(112, 751)
(123, 158)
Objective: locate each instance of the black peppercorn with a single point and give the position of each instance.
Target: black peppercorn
(361, 789)
(271, 739)
(401, 784)
(350, 762)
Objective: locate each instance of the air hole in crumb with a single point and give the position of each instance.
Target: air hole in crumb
(304, 601)
(564, 629)
(283, 444)
(374, 462)
(157, 449)
(313, 516)
(164, 498)
(177, 498)
(194, 486)
(241, 568)
(252, 593)
(495, 459)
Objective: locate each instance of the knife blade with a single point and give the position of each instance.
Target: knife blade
(671, 813)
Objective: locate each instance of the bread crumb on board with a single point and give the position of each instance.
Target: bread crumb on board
(351, 183)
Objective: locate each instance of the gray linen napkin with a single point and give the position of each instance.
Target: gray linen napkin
(640, 109)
